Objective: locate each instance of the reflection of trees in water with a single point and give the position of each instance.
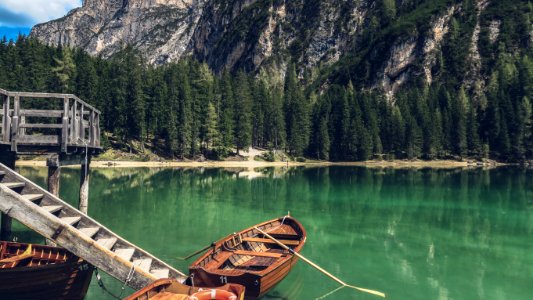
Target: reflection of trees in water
(417, 228)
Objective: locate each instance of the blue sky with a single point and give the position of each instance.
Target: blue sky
(18, 16)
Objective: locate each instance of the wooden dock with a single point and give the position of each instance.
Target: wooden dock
(73, 230)
(34, 123)
(67, 129)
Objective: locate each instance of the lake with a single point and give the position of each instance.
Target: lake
(413, 234)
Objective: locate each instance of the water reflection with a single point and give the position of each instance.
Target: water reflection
(414, 234)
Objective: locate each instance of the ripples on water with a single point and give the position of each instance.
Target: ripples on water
(413, 234)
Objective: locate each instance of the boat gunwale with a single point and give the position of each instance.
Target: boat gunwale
(261, 273)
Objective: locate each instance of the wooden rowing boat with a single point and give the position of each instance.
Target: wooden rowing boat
(170, 289)
(29, 271)
(251, 259)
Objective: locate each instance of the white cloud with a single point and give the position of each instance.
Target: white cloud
(40, 10)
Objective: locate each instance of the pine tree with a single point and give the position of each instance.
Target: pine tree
(64, 69)
(472, 134)
(261, 98)
(136, 123)
(226, 123)
(275, 121)
(203, 95)
(184, 112)
(459, 106)
(212, 134)
(297, 114)
(242, 112)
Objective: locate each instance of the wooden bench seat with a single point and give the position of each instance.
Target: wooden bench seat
(260, 254)
(269, 241)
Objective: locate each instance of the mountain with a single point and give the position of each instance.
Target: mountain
(377, 44)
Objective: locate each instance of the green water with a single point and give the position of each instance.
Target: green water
(429, 234)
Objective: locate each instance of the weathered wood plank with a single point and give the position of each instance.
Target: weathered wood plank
(107, 243)
(143, 263)
(50, 126)
(14, 185)
(269, 241)
(52, 208)
(70, 220)
(15, 124)
(33, 197)
(260, 254)
(64, 131)
(125, 254)
(161, 273)
(39, 139)
(89, 231)
(42, 113)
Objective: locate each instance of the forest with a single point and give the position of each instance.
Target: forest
(185, 110)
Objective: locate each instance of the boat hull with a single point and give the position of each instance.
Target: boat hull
(172, 289)
(256, 285)
(61, 280)
(258, 282)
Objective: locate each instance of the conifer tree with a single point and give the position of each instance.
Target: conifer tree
(212, 134)
(226, 123)
(297, 114)
(64, 69)
(242, 112)
(275, 121)
(458, 137)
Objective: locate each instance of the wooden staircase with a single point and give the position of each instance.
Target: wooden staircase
(69, 228)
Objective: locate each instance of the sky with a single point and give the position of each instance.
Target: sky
(18, 16)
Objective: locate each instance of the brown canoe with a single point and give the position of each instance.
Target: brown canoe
(250, 259)
(29, 271)
(170, 289)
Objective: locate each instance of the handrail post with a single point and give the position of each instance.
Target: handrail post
(81, 128)
(64, 130)
(72, 118)
(92, 129)
(98, 137)
(15, 121)
(7, 120)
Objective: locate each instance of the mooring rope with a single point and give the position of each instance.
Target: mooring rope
(129, 278)
(103, 287)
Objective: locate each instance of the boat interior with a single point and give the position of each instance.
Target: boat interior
(251, 251)
(27, 255)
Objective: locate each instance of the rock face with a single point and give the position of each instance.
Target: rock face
(161, 29)
(251, 34)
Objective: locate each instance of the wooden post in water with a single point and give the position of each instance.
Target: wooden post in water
(7, 158)
(84, 185)
(54, 172)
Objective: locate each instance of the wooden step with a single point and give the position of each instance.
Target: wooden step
(14, 185)
(107, 243)
(161, 273)
(125, 254)
(33, 197)
(269, 241)
(143, 263)
(89, 231)
(53, 208)
(259, 254)
(70, 220)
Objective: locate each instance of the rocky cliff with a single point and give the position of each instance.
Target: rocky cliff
(378, 44)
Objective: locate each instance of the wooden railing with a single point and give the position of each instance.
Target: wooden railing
(64, 121)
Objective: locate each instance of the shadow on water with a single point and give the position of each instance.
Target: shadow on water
(413, 234)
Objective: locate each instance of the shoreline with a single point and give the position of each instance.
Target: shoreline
(396, 164)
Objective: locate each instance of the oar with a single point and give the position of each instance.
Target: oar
(319, 268)
(196, 253)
